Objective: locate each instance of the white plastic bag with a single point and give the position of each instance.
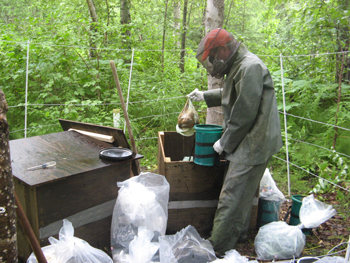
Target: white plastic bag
(268, 188)
(313, 212)
(70, 249)
(49, 253)
(277, 240)
(232, 256)
(141, 249)
(142, 203)
(186, 246)
(335, 259)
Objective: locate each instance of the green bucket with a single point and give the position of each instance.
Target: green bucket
(297, 201)
(206, 136)
(268, 211)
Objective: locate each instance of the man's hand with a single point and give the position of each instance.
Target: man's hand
(217, 147)
(196, 95)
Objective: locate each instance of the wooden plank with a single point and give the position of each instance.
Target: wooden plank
(97, 136)
(161, 154)
(118, 134)
(189, 181)
(177, 146)
(64, 198)
(24, 248)
(200, 218)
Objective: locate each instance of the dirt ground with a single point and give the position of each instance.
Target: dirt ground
(321, 240)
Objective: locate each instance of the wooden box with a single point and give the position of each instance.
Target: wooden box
(81, 187)
(194, 189)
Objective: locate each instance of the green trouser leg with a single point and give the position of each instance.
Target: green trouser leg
(232, 216)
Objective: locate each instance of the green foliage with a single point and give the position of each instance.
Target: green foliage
(69, 75)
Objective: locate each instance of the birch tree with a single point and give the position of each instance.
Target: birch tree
(214, 18)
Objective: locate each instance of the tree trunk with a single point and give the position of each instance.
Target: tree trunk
(214, 19)
(8, 233)
(183, 38)
(164, 29)
(177, 14)
(125, 20)
(93, 28)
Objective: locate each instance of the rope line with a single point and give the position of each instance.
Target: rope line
(319, 122)
(313, 174)
(324, 148)
(157, 50)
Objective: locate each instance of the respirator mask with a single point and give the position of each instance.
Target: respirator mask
(210, 55)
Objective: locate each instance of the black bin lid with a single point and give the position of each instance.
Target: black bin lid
(116, 154)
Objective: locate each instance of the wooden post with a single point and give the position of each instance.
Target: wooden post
(126, 116)
(8, 232)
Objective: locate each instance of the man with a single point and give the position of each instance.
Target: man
(252, 132)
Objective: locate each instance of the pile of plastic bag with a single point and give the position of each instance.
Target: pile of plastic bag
(139, 222)
(278, 240)
(186, 246)
(139, 218)
(70, 249)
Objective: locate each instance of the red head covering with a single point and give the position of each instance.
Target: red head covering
(215, 38)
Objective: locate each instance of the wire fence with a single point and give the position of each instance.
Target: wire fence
(173, 103)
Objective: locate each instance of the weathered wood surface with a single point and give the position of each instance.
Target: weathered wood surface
(79, 182)
(8, 241)
(118, 134)
(200, 218)
(73, 153)
(188, 182)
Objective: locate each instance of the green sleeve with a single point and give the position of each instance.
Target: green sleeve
(248, 85)
(213, 97)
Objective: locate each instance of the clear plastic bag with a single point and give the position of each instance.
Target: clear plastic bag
(187, 119)
(313, 212)
(186, 246)
(268, 188)
(335, 259)
(142, 203)
(49, 253)
(70, 249)
(278, 240)
(141, 249)
(232, 256)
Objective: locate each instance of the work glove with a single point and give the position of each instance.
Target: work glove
(217, 147)
(196, 95)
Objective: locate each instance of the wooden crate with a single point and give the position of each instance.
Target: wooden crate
(81, 187)
(194, 189)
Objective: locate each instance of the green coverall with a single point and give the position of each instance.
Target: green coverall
(252, 134)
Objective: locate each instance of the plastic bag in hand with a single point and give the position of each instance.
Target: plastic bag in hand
(188, 116)
(70, 249)
(187, 119)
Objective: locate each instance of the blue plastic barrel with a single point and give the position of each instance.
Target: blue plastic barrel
(268, 211)
(206, 136)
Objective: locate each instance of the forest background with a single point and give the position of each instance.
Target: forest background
(59, 52)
